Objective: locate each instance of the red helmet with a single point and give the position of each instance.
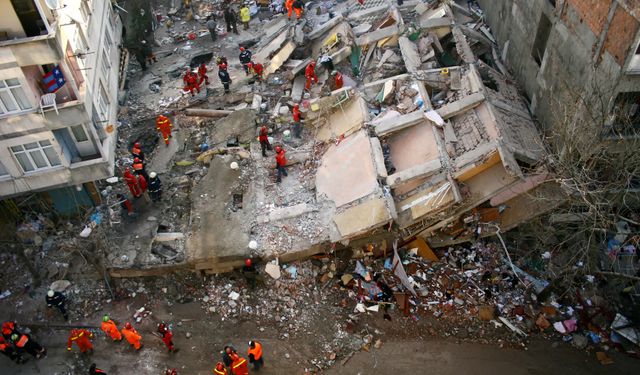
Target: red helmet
(223, 66)
(278, 148)
(136, 160)
(136, 145)
(241, 49)
(128, 325)
(162, 327)
(250, 64)
(248, 262)
(219, 366)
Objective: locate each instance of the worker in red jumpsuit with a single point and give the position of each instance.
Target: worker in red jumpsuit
(264, 140)
(239, 366)
(185, 79)
(132, 183)
(258, 70)
(167, 337)
(136, 151)
(202, 73)
(281, 162)
(297, 126)
(82, 338)
(164, 125)
(310, 75)
(192, 84)
(337, 80)
(139, 168)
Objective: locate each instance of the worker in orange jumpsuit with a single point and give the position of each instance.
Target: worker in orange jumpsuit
(8, 329)
(82, 338)
(310, 75)
(297, 126)
(289, 5)
(255, 355)
(136, 151)
(132, 183)
(337, 79)
(258, 70)
(185, 78)
(139, 168)
(167, 337)
(192, 84)
(239, 365)
(164, 125)
(132, 336)
(220, 370)
(202, 73)
(109, 327)
(298, 5)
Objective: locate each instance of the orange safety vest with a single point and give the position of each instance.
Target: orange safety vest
(220, 372)
(239, 367)
(257, 351)
(22, 342)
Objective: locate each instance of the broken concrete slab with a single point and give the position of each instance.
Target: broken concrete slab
(283, 213)
(346, 119)
(460, 106)
(377, 35)
(207, 112)
(394, 124)
(426, 169)
(410, 54)
(341, 54)
(279, 58)
(367, 12)
(378, 157)
(298, 88)
(362, 217)
(320, 30)
(168, 236)
(434, 23)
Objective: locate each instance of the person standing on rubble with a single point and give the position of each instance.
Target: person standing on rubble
(289, 5)
(212, 26)
(239, 365)
(164, 125)
(193, 84)
(82, 338)
(132, 183)
(231, 19)
(264, 140)
(310, 75)
(250, 273)
(338, 82)
(202, 74)
(167, 337)
(223, 74)
(110, 329)
(155, 187)
(245, 59)
(139, 168)
(255, 354)
(281, 162)
(298, 7)
(136, 151)
(57, 300)
(327, 62)
(132, 336)
(245, 16)
(297, 120)
(258, 70)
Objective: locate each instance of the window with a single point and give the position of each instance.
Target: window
(79, 134)
(29, 16)
(36, 155)
(12, 97)
(103, 102)
(108, 43)
(112, 17)
(85, 10)
(106, 64)
(626, 114)
(542, 35)
(3, 170)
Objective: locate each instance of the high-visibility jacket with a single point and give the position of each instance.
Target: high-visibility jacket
(264, 134)
(8, 328)
(220, 371)
(132, 336)
(137, 153)
(109, 327)
(240, 366)
(81, 337)
(24, 339)
(163, 124)
(256, 351)
(296, 114)
(245, 16)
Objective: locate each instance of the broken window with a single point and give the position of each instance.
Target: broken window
(542, 35)
(626, 113)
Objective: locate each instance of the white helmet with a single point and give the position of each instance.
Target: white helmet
(153, 174)
(50, 293)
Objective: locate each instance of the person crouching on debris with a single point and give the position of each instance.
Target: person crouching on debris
(24, 343)
(82, 338)
(327, 62)
(132, 336)
(245, 59)
(7, 349)
(57, 300)
(219, 369)
(164, 125)
(132, 183)
(310, 75)
(223, 74)
(155, 187)
(255, 354)
(298, 7)
(338, 82)
(281, 162)
(110, 329)
(264, 140)
(202, 73)
(125, 204)
(193, 84)
(167, 337)
(258, 70)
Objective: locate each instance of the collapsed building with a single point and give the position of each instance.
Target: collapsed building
(433, 141)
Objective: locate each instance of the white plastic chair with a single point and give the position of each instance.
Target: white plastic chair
(48, 101)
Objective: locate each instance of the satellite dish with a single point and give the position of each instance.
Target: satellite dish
(51, 4)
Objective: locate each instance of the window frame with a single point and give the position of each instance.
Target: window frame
(8, 89)
(40, 148)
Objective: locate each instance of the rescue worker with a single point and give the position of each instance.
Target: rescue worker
(221, 60)
(264, 140)
(185, 79)
(258, 70)
(132, 336)
(7, 349)
(289, 5)
(109, 327)
(239, 365)
(227, 355)
(155, 187)
(136, 151)
(57, 300)
(212, 26)
(24, 343)
(231, 19)
(132, 183)
(125, 204)
(167, 337)
(281, 162)
(202, 74)
(297, 117)
(171, 371)
(245, 16)
(327, 62)
(310, 75)
(93, 370)
(298, 6)
(245, 59)
(249, 272)
(142, 182)
(82, 338)
(224, 77)
(8, 329)
(220, 370)
(139, 168)
(255, 354)
(164, 125)
(192, 83)
(338, 82)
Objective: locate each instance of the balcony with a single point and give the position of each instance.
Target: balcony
(24, 21)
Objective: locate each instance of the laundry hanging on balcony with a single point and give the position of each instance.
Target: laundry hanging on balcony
(54, 79)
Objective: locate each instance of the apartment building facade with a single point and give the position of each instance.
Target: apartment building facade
(59, 73)
(561, 49)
